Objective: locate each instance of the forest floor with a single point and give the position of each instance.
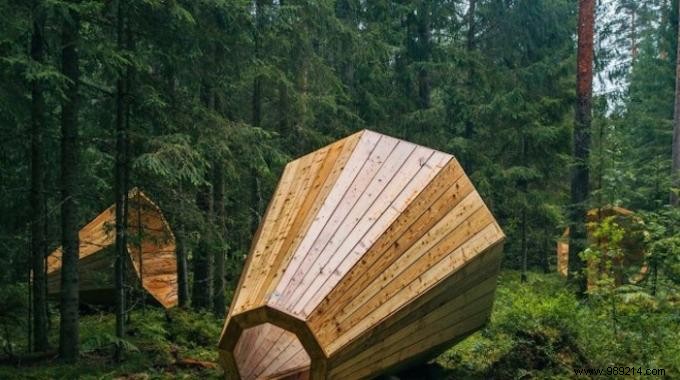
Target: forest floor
(538, 329)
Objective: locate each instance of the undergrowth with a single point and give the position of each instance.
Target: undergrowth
(538, 329)
(154, 340)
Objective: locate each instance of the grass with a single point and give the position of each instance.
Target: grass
(538, 329)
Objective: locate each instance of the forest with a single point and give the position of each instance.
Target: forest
(565, 115)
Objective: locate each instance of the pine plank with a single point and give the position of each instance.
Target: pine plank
(429, 206)
(327, 175)
(451, 220)
(320, 229)
(463, 281)
(351, 221)
(298, 193)
(463, 306)
(482, 240)
(401, 191)
(256, 257)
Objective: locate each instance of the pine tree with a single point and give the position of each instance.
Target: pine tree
(38, 195)
(69, 336)
(581, 141)
(120, 186)
(675, 160)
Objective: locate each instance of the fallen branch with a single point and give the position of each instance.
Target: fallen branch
(27, 359)
(189, 362)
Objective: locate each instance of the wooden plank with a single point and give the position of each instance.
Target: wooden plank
(452, 231)
(481, 241)
(400, 192)
(267, 335)
(298, 193)
(255, 258)
(451, 220)
(463, 328)
(354, 218)
(293, 357)
(325, 178)
(356, 162)
(429, 206)
(472, 302)
(279, 347)
(462, 281)
(295, 374)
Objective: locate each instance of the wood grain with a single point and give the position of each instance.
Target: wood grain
(151, 249)
(374, 252)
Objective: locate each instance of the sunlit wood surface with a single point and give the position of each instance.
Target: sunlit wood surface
(374, 252)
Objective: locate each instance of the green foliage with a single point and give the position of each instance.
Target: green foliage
(540, 329)
(663, 241)
(13, 308)
(152, 338)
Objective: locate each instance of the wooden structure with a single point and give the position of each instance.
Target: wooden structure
(374, 253)
(151, 248)
(632, 262)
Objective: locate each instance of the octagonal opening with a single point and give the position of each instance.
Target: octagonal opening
(267, 351)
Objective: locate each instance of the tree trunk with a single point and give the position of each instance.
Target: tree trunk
(524, 186)
(182, 270)
(469, 125)
(424, 30)
(37, 196)
(675, 164)
(203, 260)
(120, 190)
(581, 147)
(69, 325)
(218, 201)
(257, 82)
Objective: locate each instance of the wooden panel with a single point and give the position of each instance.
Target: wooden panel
(366, 159)
(256, 258)
(265, 363)
(379, 251)
(462, 283)
(336, 249)
(151, 246)
(300, 182)
(401, 191)
(374, 311)
(427, 209)
(298, 194)
(463, 327)
(327, 175)
(464, 306)
(347, 222)
(293, 359)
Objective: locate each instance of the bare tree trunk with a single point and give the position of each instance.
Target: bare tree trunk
(218, 202)
(203, 260)
(38, 211)
(182, 270)
(120, 190)
(675, 164)
(524, 186)
(424, 29)
(257, 82)
(581, 147)
(69, 336)
(469, 125)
